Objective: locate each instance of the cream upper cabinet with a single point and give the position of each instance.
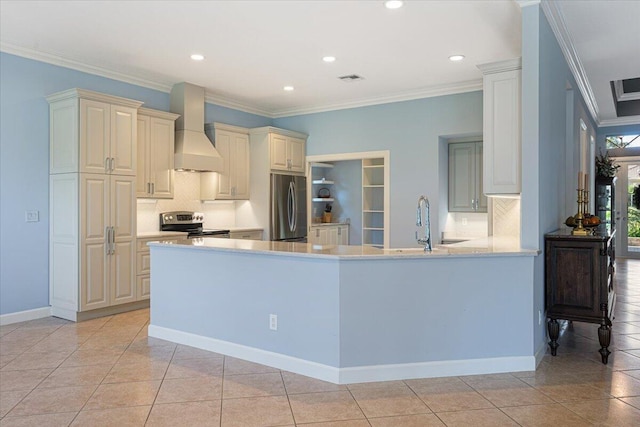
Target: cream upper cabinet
(92, 133)
(232, 142)
(156, 139)
(465, 178)
(502, 129)
(287, 153)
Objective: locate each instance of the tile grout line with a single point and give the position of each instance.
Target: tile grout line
(286, 393)
(161, 381)
(108, 372)
(224, 366)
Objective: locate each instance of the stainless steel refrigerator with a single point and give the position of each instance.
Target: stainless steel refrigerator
(288, 207)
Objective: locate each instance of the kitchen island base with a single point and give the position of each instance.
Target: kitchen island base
(347, 319)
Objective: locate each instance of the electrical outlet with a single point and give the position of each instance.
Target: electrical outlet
(464, 221)
(273, 322)
(32, 216)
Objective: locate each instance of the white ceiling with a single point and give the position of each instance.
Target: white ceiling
(254, 48)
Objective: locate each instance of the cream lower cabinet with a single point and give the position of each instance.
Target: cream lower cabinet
(143, 264)
(232, 183)
(156, 140)
(93, 243)
(337, 234)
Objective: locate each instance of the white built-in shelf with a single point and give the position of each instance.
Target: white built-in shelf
(320, 181)
(322, 199)
(321, 165)
(373, 186)
(373, 211)
(373, 228)
(372, 166)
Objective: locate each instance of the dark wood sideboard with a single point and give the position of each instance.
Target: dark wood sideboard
(579, 283)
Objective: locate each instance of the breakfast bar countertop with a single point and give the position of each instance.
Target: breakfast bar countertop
(487, 247)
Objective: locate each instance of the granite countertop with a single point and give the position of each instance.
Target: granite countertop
(324, 224)
(160, 234)
(488, 247)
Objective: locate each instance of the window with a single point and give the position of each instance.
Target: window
(623, 141)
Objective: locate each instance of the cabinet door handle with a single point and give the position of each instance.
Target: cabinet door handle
(153, 188)
(148, 188)
(107, 163)
(113, 240)
(339, 231)
(317, 232)
(107, 240)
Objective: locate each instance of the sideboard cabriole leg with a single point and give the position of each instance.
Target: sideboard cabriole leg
(604, 336)
(554, 332)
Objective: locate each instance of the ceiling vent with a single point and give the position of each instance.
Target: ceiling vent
(351, 78)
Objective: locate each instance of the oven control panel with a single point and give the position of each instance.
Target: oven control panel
(181, 217)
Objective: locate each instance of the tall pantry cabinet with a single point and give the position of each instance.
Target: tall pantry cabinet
(92, 190)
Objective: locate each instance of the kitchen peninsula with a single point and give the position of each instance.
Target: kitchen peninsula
(348, 313)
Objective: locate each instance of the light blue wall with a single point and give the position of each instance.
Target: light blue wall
(550, 138)
(24, 166)
(410, 130)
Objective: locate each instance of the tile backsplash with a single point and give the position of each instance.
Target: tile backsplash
(187, 198)
(506, 217)
(465, 225)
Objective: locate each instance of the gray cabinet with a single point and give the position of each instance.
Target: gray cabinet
(465, 178)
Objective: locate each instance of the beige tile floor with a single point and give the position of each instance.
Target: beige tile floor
(107, 372)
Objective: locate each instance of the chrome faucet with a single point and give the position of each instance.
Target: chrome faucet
(424, 221)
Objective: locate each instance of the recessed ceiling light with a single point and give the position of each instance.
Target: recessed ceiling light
(197, 57)
(329, 58)
(288, 88)
(393, 4)
(456, 58)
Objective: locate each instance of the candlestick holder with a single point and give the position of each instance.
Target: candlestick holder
(580, 230)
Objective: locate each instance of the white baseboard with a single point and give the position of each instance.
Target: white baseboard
(23, 316)
(252, 354)
(348, 375)
(541, 351)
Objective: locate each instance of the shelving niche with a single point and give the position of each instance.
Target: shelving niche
(373, 202)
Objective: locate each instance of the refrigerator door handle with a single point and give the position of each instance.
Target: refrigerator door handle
(294, 222)
(290, 206)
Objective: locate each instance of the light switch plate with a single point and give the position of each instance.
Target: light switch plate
(32, 216)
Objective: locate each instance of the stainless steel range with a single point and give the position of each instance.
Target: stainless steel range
(190, 223)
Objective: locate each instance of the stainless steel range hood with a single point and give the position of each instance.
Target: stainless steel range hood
(193, 150)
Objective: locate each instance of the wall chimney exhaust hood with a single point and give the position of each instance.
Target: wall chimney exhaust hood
(193, 150)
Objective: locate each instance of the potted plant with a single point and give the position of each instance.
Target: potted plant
(606, 166)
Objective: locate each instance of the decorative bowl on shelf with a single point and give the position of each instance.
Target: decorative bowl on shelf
(324, 193)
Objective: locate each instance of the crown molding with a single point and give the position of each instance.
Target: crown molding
(53, 59)
(236, 105)
(525, 3)
(559, 28)
(429, 92)
(620, 121)
(501, 66)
